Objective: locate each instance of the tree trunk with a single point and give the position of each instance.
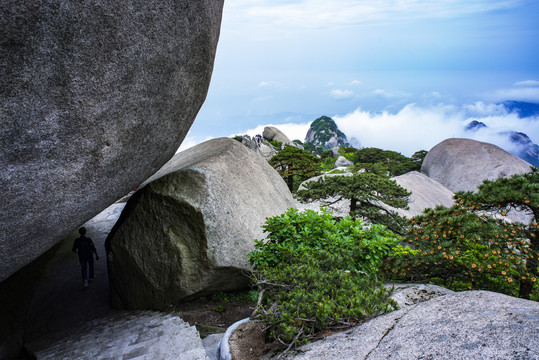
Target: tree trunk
(290, 182)
(353, 205)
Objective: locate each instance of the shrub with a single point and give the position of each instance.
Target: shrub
(316, 272)
(462, 251)
(276, 144)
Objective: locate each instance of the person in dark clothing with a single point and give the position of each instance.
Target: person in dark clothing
(85, 248)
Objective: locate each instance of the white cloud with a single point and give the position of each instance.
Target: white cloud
(390, 94)
(529, 94)
(415, 128)
(270, 84)
(527, 83)
(292, 131)
(355, 82)
(341, 94)
(485, 109)
(310, 14)
(191, 141)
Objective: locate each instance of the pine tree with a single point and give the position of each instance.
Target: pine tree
(519, 192)
(295, 165)
(367, 192)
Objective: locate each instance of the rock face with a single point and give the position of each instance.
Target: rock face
(325, 133)
(466, 325)
(95, 97)
(263, 148)
(271, 133)
(463, 164)
(426, 193)
(526, 149)
(189, 230)
(342, 162)
(127, 335)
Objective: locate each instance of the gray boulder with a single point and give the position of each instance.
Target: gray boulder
(463, 164)
(342, 162)
(466, 325)
(263, 148)
(188, 231)
(271, 133)
(426, 193)
(96, 96)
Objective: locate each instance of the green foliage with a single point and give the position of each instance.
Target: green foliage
(326, 154)
(318, 273)
(314, 149)
(518, 192)
(465, 248)
(238, 138)
(324, 128)
(349, 153)
(276, 144)
(418, 158)
(295, 165)
(328, 163)
(367, 192)
(395, 163)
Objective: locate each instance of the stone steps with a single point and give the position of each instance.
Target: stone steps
(140, 335)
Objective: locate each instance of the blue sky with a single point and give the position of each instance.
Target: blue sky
(397, 74)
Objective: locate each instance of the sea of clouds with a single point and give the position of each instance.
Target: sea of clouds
(416, 127)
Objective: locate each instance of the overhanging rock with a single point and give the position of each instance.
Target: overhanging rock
(95, 97)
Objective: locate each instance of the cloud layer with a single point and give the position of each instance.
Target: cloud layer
(416, 128)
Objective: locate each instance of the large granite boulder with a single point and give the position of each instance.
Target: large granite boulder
(342, 162)
(463, 164)
(426, 193)
(188, 231)
(271, 133)
(466, 325)
(95, 97)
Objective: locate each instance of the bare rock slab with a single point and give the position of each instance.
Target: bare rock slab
(463, 164)
(425, 193)
(188, 231)
(466, 325)
(95, 97)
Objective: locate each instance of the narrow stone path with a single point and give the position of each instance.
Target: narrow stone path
(60, 302)
(66, 321)
(128, 335)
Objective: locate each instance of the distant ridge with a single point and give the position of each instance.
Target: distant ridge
(523, 109)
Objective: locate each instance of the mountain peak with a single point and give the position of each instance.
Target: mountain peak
(325, 133)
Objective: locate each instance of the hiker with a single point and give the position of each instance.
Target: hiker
(85, 248)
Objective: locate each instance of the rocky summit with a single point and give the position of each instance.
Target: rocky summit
(325, 133)
(96, 96)
(463, 164)
(188, 231)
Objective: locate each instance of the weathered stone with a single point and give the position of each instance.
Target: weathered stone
(95, 97)
(342, 162)
(126, 335)
(263, 147)
(466, 325)
(271, 133)
(426, 193)
(463, 164)
(188, 231)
